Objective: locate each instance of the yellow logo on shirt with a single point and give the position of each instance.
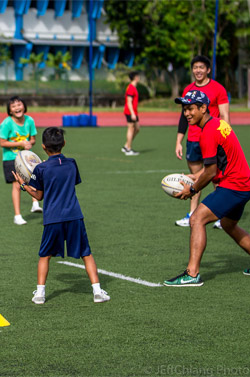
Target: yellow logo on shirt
(18, 138)
(224, 128)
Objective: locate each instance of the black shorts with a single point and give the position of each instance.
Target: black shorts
(8, 167)
(129, 120)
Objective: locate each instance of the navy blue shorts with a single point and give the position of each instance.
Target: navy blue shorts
(227, 203)
(193, 152)
(55, 235)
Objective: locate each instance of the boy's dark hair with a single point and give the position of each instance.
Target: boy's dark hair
(133, 74)
(15, 99)
(202, 59)
(53, 139)
(199, 104)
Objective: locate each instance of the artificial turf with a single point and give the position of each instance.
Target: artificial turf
(142, 331)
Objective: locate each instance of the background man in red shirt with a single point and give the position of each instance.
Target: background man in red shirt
(226, 166)
(131, 113)
(218, 107)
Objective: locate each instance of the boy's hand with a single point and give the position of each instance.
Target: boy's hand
(18, 178)
(26, 144)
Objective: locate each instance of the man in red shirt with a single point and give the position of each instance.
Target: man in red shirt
(226, 166)
(131, 113)
(219, 107)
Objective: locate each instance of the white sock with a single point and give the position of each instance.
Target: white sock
(18, 217)
(41, 290)
(96, 288)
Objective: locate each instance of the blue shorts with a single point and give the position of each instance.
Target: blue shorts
(193, 152)
(55, 235)
(227, 203)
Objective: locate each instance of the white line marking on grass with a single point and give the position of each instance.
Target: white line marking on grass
(117, 276)
(138, 172)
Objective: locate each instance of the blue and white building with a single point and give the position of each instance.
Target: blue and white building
(58, 25)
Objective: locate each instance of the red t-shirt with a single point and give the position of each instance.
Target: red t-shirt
(131, 91)
(219, 145)
(217, 95)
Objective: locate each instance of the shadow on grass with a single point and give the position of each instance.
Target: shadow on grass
(225, 265)
(143, 151)
(34, 216)
(76, 284)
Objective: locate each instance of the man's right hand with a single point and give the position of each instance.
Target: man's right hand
(178, 151)
(133, 117)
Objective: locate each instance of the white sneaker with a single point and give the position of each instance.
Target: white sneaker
(18, 220)
(217, 225)
(124, 149)
(36, 208)
(130, 152)
(38, 299)
(101, 297)
(184, 221)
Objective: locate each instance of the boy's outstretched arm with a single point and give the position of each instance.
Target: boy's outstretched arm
(37, 194)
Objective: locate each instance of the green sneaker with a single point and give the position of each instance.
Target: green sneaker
(184, 280)
(246, 271)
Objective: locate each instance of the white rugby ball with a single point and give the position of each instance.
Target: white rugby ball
(171, 183)
(25, 163)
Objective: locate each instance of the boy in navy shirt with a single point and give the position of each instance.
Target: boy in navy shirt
(54, 181)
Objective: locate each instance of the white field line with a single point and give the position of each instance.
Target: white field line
(167, 171)
(115, 275)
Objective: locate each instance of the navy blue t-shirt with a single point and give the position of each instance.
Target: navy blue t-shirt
(57, 178)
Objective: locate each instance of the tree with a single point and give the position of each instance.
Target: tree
(243, 32)
(170, 32)
(59, 62)
(34, 60)
(5, 57)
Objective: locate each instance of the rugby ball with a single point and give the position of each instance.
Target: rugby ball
(171, 183)
(25, 163)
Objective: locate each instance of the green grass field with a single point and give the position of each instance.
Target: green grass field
(142, 331)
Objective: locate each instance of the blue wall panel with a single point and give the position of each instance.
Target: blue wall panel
(59, 7)
(19, 26)
(21, 51)
(113, 56)
(27, 6)
(95, 57)
(19, 6)
(3, 5)
(99, 9)
(42, 6)
(96, 8)
(77, 8)
(101, 51)
(77, 57)
(93, 21)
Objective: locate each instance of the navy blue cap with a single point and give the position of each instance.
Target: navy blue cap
(193, 96)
